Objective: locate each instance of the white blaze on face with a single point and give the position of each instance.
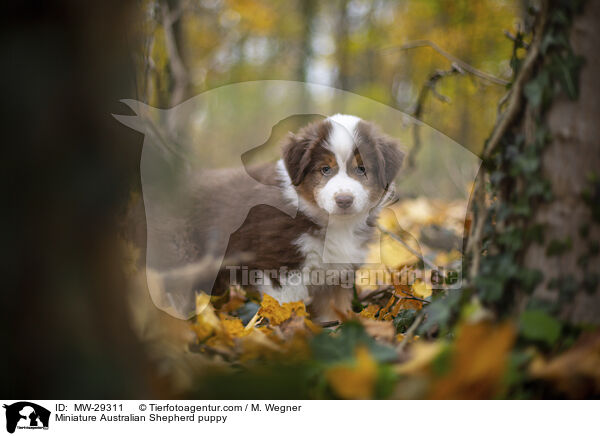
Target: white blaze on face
(341, 144)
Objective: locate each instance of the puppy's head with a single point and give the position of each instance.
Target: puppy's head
(342, 165)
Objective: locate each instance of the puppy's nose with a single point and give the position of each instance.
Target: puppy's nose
(344, 201)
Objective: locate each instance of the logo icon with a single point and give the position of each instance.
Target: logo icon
(26, 415)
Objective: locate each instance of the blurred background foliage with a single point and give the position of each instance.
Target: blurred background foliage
(360, 46)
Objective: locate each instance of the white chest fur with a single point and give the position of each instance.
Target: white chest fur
(343, 243)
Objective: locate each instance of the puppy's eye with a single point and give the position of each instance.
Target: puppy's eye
(326, 170)
(361, 170)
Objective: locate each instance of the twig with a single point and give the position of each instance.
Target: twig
(392, 290)
(515, 39)
(462, 64)
(255, 320)
(329, 323)
(429, 86)
(410, 332)
(516, 92)
(412, 297)
(376, 292)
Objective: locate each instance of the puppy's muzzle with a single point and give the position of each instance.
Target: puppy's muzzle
(344, 201)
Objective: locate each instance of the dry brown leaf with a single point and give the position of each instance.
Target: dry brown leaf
(422, 354)
(576, 372)
(380, 330)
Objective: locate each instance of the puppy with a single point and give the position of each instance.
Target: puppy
(310, 218)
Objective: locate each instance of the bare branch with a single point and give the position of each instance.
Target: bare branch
(180, 74)
(516, 92)
(515, 39)
(429, 86)
(410, 332)
(462, 64)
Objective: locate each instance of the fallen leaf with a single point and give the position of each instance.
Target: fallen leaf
(277, 313)
(478, 362)
(380, 330)
(576, 372)
(421, 355)
(370, 311)
(420, 289)
(354, 381)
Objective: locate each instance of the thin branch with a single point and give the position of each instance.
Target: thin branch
(462, 64)
(176, 65)
(326, 324)
(514, 38)
(392, 290)
(376, 293)
(412, 297)
(516, 93)
(410, 332)
(429, 86)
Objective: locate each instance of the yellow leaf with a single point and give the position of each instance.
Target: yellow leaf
(394, 254)
(257, 344)
(386, 308)
(207, 323)
(357, 381)
(422, 354)
(420, 289)
(234, 327)
(478, 362)
(369, 311)
(400, 337)
(277, 313)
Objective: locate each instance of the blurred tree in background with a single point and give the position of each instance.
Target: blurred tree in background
(358, 46)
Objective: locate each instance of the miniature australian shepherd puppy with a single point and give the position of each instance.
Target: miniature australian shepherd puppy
(296, 229)
(337, 173)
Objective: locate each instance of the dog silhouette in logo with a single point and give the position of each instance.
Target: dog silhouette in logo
(187, 147)
(27, 415)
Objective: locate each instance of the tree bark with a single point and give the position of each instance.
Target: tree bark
(570, 158)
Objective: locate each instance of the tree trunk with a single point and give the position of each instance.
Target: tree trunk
(568, 257)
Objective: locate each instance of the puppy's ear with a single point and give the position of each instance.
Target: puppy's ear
(298, 149)
(296, 156)
(389, 157)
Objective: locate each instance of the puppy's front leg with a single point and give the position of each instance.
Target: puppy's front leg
(330, 303)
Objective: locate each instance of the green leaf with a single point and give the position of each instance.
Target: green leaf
(329, 348)
(535, 89)
(537, 325)
(404, 319)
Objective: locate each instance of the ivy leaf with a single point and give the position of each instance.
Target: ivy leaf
(535, 89)
(440, 311)
(342, 346)
(537, 325)
(404, 319)
(568, 74)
